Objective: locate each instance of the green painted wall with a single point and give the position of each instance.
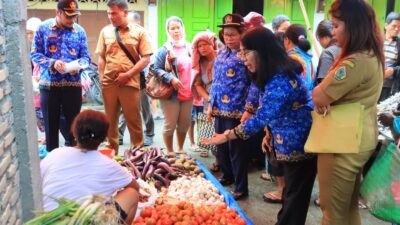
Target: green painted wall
(222, 7)
(378, 5)
(291, 8)
(380, 10)
(397, 6)
(197, 15)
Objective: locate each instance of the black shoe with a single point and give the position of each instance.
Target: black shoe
(239, 195)
(225, 182)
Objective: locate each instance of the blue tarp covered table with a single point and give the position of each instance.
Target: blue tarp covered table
(229, 200)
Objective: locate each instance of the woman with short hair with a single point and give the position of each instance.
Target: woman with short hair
(328, 56)
(74, 172)
(230, 101)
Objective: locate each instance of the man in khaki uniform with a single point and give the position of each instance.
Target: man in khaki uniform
(120, 77)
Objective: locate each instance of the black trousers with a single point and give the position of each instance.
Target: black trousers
(51, 102)
(233, 155)
(385, 94)
(275, 169)
(299, 181)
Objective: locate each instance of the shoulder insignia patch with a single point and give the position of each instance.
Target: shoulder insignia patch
(348, 63)
(340, 73)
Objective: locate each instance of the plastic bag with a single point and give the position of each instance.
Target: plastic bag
(381, 186)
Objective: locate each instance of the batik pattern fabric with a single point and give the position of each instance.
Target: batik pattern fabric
(253, 99)
(52, 43)
(305, 60)
(286, 109)
(231, 85)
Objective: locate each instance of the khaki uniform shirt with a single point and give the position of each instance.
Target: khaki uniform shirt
(135, 39)
(357, 78)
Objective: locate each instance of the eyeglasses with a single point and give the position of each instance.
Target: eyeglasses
(227, 35)
(245, 52)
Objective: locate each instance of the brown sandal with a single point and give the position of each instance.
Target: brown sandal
(265, 176)
(273, 197)
(204, 153)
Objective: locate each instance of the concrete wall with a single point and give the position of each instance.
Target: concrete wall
(19, 163)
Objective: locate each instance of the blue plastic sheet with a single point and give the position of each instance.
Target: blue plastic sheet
(229, 200)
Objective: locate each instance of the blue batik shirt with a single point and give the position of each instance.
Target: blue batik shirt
(286, 108)
(230, 92)
(53, 43)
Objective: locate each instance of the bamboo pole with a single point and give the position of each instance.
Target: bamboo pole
(309, 29)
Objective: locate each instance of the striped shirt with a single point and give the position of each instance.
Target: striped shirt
(391, 56)
(391, 53)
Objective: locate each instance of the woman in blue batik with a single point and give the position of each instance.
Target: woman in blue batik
(286, 108)
(228, 95)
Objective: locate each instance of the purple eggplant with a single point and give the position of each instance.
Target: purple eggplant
(166, 167)
(137, 157)
(134, 169)
(162, 179)
(127, 154)
(149, 172)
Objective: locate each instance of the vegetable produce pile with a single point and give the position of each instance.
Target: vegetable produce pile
(187, 214)
(186, 164)
(196, 190)
(91, 211)
(151, 164)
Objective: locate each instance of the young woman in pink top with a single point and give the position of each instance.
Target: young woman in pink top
(177, 109)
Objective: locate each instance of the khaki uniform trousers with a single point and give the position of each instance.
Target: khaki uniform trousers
(339, 182)
(127, 98)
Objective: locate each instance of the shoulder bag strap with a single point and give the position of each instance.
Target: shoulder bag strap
(127, 53)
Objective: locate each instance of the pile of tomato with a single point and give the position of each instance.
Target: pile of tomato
(187, 214)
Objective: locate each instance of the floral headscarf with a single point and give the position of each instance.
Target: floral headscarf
(253, 19)
(210, 38)
(206, 36)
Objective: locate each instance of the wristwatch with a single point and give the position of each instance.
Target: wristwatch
(226, 134)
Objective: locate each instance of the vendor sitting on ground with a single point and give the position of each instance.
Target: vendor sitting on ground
(391, 120)
(74, 172)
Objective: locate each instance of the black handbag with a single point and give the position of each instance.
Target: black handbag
(127, 53)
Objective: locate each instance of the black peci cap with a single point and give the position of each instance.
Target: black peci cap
(232, 20)
(70, 7)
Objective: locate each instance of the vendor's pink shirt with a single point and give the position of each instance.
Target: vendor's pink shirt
(198, 102)
(36, 100)
(184, 70)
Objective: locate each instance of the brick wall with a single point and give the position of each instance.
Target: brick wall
(19, 163)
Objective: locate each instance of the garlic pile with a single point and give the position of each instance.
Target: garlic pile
(196, 190)
(390, 104)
